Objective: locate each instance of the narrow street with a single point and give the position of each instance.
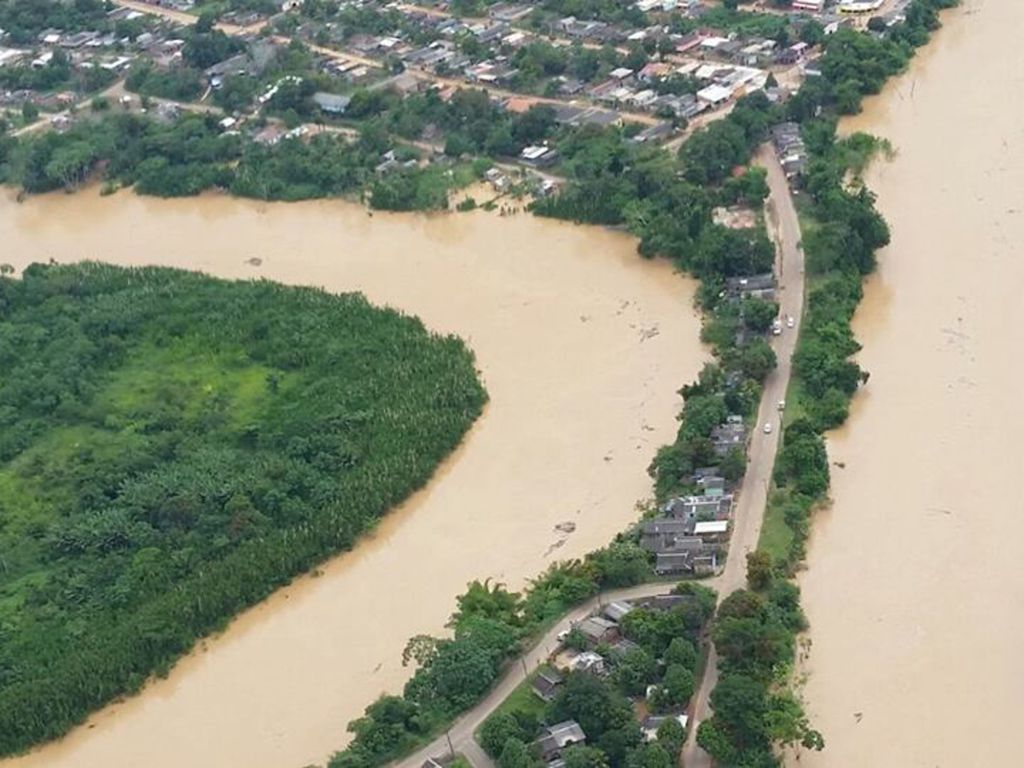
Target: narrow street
(784, 228)
(461, 732)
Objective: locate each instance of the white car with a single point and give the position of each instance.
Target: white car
(790, 321)
(782, 405)
(767, 427)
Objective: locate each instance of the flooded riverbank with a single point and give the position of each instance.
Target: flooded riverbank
(914, 575)
(582, 346)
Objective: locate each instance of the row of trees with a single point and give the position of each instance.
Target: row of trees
(755, 636)
(173, 448)
(490, 627)
(192, 155)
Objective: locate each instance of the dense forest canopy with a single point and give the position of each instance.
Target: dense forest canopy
(173, 447)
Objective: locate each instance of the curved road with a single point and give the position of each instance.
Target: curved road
(461, 732)
(784, 226)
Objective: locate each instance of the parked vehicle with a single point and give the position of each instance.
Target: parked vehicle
(767, 427)
(777, 328)
(790, 321)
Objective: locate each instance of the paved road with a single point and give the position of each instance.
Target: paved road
(461, 732)
(785, 230)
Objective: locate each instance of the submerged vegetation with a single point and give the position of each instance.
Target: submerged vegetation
(175, 447)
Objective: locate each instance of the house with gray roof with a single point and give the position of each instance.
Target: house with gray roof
(559, 737)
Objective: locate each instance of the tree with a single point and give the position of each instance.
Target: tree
(583, 756)
(681, 652)
(515, 754)
(30, 112)
(671, 735)
(756, 360)
(788, 724)
(635, 671)
(498, 730)
(759, 570)
(759, 314)
(593, 703)
(678, 685)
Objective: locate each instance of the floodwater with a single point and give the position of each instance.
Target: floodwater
(914, 587)
(582, 346)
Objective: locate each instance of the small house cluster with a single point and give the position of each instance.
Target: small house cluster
(789, 146)
(690, 533)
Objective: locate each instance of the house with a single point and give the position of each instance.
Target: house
(712, 530)
(649, 727)
(498, 179)
(691, 556)
(588, 661)
(664, 602)
(660, 534)
(545, 684)
(620, 649)
(331, 103)
(714, 95)
(11, 56)
(694, 508)
(727, 437)
(617, 610)
(712, 485)
(403, 83)
(756, 286)
(622, 74)
(597, 629)
(539, 156)
(559, 737)
(809, 6)
(508, 12)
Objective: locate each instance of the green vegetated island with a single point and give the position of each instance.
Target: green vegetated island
(174, 447)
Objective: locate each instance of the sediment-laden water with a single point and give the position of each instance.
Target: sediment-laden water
(915, 579)
(582, 346)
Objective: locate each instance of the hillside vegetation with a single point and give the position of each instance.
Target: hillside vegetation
(173, 447)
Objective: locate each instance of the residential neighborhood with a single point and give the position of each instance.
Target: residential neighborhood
(657, 68)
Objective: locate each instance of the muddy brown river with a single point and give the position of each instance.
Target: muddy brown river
(582, 346)
(915, 580)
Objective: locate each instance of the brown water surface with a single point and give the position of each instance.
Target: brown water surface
(915, 582)
(582, 346)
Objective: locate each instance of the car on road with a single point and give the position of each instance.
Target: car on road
(782, 405)
(767, 427)
(790, 321)
(777, 328)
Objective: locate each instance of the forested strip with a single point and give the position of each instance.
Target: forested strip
(755, 629)
(174, 447)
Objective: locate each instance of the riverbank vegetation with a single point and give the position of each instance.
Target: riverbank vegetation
(174, 448)
(192, 155)
(490, 627)
(755, 630)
